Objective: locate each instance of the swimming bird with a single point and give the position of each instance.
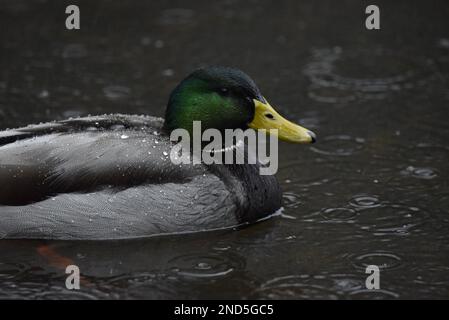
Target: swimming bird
(110, 176)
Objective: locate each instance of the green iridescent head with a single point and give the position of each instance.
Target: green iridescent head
(226, 98)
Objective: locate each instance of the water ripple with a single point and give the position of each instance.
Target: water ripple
(384, 260)
(339, 145)
(339, 75)
(392, 219)
(291, 200)
(205, 266)
(339, 214)
(374, 294)
(364, 201)
(116, 92)
(307, 286)
(12, 270)
(420, 173)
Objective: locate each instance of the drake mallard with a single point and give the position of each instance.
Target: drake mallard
(109, 176)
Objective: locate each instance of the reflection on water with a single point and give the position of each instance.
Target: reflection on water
(373, 190)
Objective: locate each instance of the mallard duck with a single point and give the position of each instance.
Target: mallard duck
(109, 176)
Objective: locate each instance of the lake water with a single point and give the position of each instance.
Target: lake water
(373, 190)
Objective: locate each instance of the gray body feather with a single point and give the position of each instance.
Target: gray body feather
(110, 177)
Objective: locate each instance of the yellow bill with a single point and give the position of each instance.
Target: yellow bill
(267, 118)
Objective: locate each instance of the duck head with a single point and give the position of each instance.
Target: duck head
(226, 98)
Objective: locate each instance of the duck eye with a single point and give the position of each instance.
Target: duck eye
(224, 91)
(269, 116)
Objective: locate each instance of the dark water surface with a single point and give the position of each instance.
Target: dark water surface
(373, 190)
